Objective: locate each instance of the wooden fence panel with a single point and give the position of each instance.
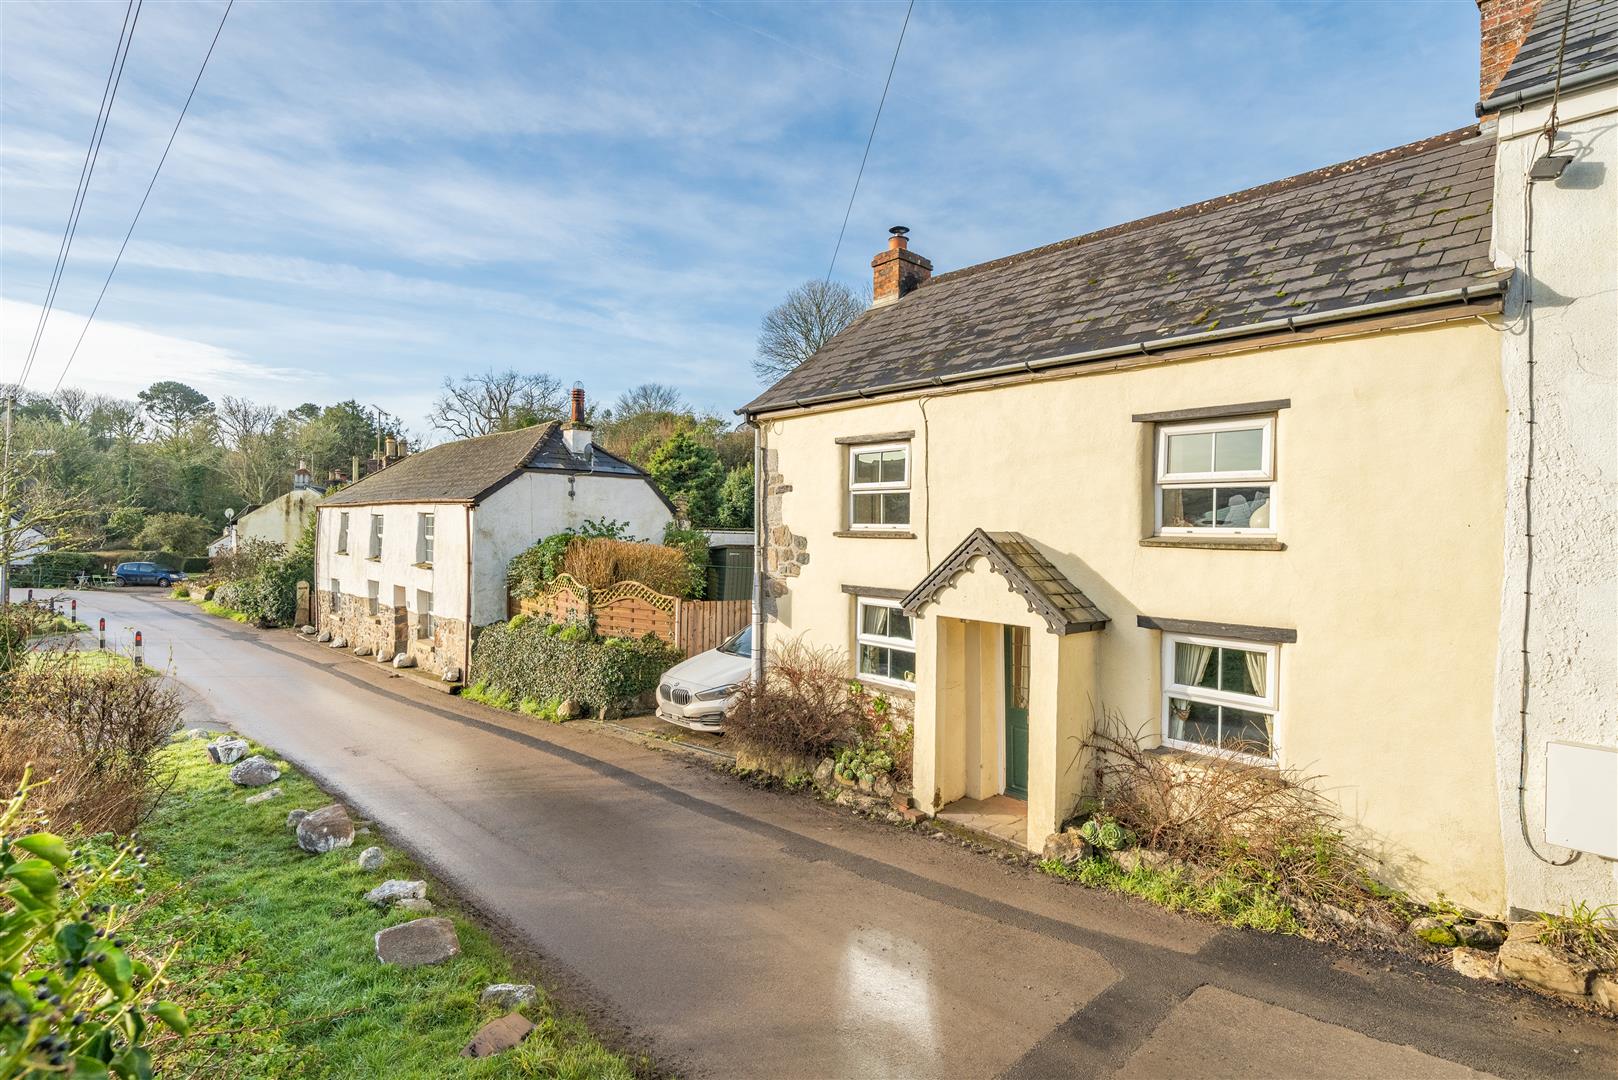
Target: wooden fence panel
(700, 625)
(632, 617)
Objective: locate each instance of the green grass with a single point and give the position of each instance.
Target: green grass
(277, 968)
(222, 611)
(1225, 898)
(88, 660)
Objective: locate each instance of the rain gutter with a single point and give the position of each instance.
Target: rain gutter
(1520, 98)
(1466, 294)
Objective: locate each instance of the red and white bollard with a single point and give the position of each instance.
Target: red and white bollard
(75, 604)
(140, 651)
(101, 635)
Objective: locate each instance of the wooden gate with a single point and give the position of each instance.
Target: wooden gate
(700, 625)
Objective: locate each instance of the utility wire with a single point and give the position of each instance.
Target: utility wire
(109, 93)
(150, 184)
(869, 139)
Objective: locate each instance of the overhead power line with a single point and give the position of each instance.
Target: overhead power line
(149, 185)
(92, 153)
(869, 139)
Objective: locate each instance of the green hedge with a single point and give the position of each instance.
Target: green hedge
(545, 661)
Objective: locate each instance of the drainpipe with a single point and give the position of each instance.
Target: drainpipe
(466, 662)
(314, 586)
(758, 553)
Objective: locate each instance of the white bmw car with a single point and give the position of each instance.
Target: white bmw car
(694, 693)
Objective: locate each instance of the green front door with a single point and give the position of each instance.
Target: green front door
(1017, 711)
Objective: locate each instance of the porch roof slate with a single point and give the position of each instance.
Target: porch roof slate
(1592, 42)
(1063, 606)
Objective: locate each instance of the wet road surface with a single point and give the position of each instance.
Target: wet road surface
(748, 933)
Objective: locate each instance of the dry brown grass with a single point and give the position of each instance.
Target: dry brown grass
(1260, 824)
(91, 734)
(600, 562)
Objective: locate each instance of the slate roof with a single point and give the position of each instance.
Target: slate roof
(468, 469)
(1400, 224)
(1592, 42)
(1028, 573)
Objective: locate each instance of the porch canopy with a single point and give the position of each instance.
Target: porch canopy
(1005, 652)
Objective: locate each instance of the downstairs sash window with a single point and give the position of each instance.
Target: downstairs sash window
(1220, 696)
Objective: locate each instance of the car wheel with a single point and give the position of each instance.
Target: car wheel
(121, 582)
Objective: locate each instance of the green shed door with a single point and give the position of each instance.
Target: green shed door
(1017, 711)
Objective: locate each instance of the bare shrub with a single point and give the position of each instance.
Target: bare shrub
(599, 562)
(18, 622)
(1257, 823)
(91, 734)
(246, 561)
(808, 706)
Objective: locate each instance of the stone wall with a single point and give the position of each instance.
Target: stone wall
(352, 621)
(785, 553)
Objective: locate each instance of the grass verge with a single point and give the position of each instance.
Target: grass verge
(221, 611)
(1222, 897)
(277, 968)
(481, 693)
(89, 661)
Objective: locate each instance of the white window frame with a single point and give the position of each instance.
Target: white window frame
(1231, 478)
(1270, 703)
(426, 623)
(881, 641)
(342, 533)
(375, 540)
(880, 487)
(424, 538)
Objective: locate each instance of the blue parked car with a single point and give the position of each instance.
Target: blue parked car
(146, 573)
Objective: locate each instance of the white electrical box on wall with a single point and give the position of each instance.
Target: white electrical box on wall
(1581, 797)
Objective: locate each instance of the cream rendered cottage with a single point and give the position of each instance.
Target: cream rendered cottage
(1230, 475)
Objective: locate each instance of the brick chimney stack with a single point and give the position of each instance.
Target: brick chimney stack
(576, 432)
(1504, 24)
(897, 271)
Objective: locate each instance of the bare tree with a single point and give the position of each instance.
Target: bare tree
(257, 448)
(797, 327)
(497, 401)
(648, 397)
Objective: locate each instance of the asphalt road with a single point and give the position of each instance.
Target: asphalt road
(738, 932)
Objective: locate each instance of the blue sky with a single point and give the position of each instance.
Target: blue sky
(367, 197)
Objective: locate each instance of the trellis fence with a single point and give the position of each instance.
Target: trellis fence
(631, 610)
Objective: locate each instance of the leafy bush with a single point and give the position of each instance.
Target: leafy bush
(1104, 832)
(75, 997)
(92, 732)
(533, 569)
(689, 474)
(863, 762)
(268, 592)
(808, 706)
(694, 544)
(125, 523)
(18, 623)
(64, 566)
(186, 534)
(736, 499)
(535, 661)
(249, 557)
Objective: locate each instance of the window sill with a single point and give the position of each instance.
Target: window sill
(1213, 543)
(1203, 758)
(373, 558)
(423, 565)
(884, 687)
(875, 534)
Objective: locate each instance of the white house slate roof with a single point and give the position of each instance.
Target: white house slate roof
(1401, 224)
(1592, 45)
(466, 470)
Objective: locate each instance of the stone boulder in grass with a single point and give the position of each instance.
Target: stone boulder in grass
(393, 891)
(227, 750)
(418, 943)
(326, 829)
(256, 771)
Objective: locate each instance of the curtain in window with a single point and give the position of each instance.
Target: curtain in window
(1255, 676)
(1191, 662)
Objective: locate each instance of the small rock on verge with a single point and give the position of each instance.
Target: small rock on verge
(324, 637)
(1527, 961)
(1604, 992)
(1066, 848)
(325, 829)
(1474, 963)
(417, 905)
(262, 797)
(417, 943)
(256, 771)
(508, 995)
(371, 859)
(404, 660)
(393, 891)
(1483, 934)
(1434, 932)
(338, 643)
(498, 1036)
(226, 750)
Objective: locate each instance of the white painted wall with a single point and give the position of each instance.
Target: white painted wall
(537, 504)
(1573, 639)
(445, 578)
